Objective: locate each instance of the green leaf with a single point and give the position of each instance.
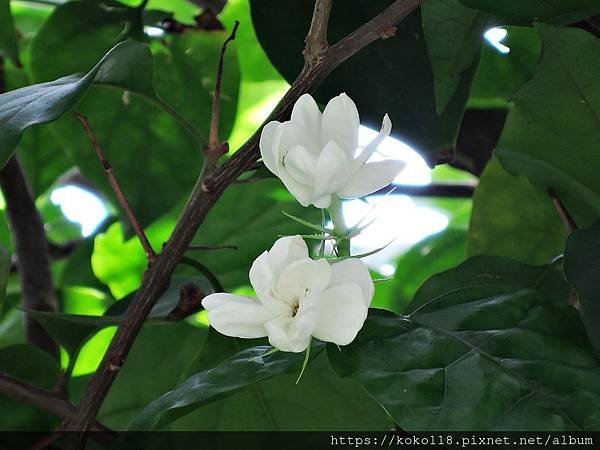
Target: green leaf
(8, 34)
(552, 11)
(439, 252)
(152, 368)
(490, 271)
(582, 269)
(453, 34)
(244, 368)
(405, 91)
(481, 357)
(552, 135)
(500, 75)
(72, 330)
(34, 366)
(247, 216)
(164, 133)
(46, 102)
(513, 218)
(259, 392)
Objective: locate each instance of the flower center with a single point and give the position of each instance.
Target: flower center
(295, 308)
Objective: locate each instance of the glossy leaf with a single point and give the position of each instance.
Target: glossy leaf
(275, 403)
(453, 34)
(247, 367)
(582, 269)
(405, 91)
(552, 11)
(513, 218)
(46, 102)
(491, 356)
(552, 134)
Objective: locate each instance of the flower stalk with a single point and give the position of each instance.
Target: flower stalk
(341, 230)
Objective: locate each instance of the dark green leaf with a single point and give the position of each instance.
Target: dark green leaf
(158, 357)
(46, 102)
(242, 369)
(582, 269)
(552, 134)
(552, 11)
(479, 357)
(500, 75)
(430, 256)
(513, 218)
(453, 34)
(405, 91)
(490, 271)
(8, 34)
(34, 366)
(275, 403)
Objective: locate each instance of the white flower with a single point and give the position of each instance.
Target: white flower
(316, 155)
(297, 298)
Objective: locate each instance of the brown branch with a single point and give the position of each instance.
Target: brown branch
(215, 149)
(316, 39)
(37, 289)
(27, 229)
(448, 190)
(565, 216)
(114, 183)
(203, 197)
(49, 402)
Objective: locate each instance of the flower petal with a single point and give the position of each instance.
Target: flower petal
(306, 113)
(353, 270)
(292, 334)
(332, 171)
(300, 191)
(372, 177)
(261, 276)
(342, 314)
(285, 251)
(340, 123)
(301, 276)
(268, 137)
(323, 202)
(237, 316)
(300, 164)
(371, 147)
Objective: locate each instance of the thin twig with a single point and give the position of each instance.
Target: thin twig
(316, 39)
(114, 183)
(448, 190)
(202, 198)
(565, 216)
(195, 248)
(215, 149)
(47, 401)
